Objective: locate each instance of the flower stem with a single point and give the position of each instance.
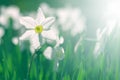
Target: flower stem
(37, 66)
(29, 67)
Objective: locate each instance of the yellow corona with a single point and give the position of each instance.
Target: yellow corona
(39, 29)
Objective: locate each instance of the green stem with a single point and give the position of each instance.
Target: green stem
(37, 60)
(29, 67)
(37, 66)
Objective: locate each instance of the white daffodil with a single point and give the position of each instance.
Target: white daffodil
(101, 40)
(9, 12)
(35, 29)
(59, 41)
(47, 9)
(71, 20)
(15, 40)
(78, 44)
(110, 24)
(103, 35)
(56, 52)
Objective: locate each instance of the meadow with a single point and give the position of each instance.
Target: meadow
(66, 52)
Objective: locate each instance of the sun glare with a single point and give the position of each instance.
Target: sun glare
(113, 9)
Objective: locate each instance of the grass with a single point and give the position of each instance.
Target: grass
(82, 65)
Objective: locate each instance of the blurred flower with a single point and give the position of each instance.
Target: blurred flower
(59, 41)
(48, 53)
(15, 40)
(103, 35)
(71, 19)
(78, 44)
(56, 53)
(49, 50)
(46, 8)
(101, 41)
(9, 12)
(110, 24)
(38, 28)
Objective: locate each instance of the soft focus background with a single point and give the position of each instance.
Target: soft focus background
(91, 32)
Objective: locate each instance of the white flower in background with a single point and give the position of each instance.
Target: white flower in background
(48, 53)
(46, 8)
(15, 40)
(35, 29)
(103, 35)
(78, 44)
(9, 12)
(59, 41)
(101, 41)
(56, 53)
(51, 53)
(110, 24)
(71, 19)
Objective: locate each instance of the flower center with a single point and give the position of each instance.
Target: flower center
(39, 29)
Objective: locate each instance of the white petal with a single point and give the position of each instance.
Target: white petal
(3, 20)
(58, 53)
(12, 12)
(77, 45)
(50, 34)
(26, 35)
(28, 22)
(97, 49)
(48, 22)
(40, 16)
(61, 40)
(48, 53)
(32, 49)
(34, 40)
(15, 40)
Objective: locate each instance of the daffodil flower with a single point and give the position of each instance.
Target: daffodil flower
(56, 52)
(10, 12)
(37, 28)
(67, 17)
(101, 40)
